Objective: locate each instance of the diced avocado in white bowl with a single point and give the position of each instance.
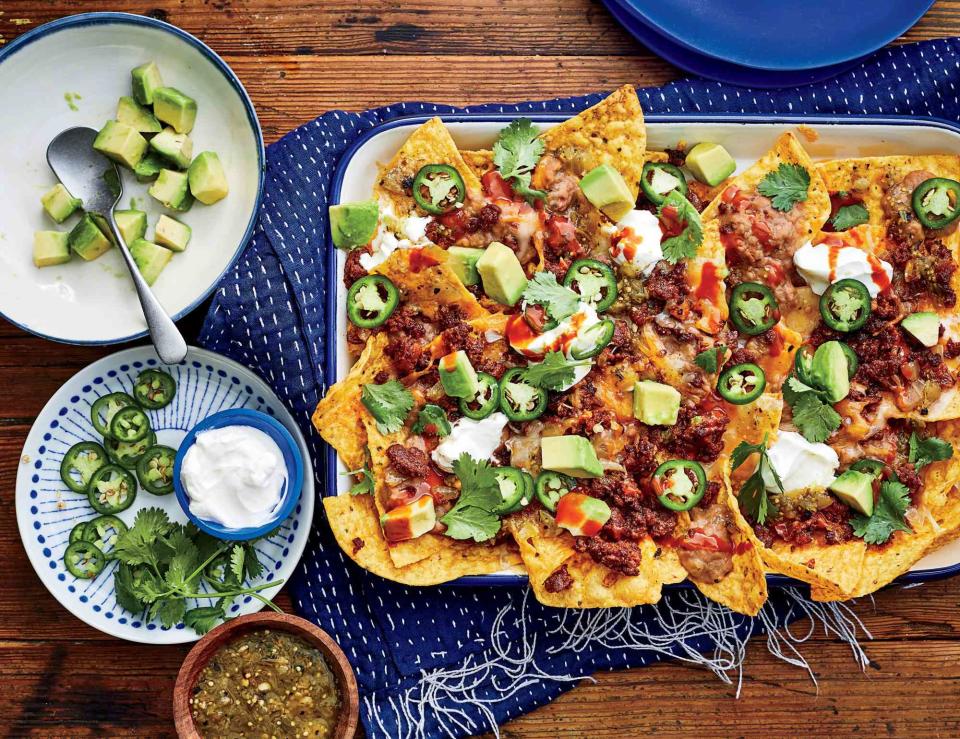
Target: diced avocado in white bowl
(95, 302)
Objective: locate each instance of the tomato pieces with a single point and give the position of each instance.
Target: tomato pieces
(495, 187)
(582, 515)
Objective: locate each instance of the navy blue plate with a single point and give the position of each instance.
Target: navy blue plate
(715, 69)
(781, 34)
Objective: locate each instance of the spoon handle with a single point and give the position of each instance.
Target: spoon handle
(167, 339)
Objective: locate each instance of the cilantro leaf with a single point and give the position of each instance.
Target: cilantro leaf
(472, 517)
(684, 245)
(252, 567)
(786, 186)
(925, 451)
(388, 403)
(711, 360)
(432, 415)
(887, 514)
(470, 522)
(204, 618)
(236, 561)
(814, 418)
(135, 546)
(559, 301)
(182, 565)
(753, 498)
(125, 588)
(554, 372)
(849, 216)
(366, 482)
(169, 610)
(516, 153)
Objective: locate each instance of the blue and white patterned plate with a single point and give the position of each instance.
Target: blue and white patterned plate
(47, 510)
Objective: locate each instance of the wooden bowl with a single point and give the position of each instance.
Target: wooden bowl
(204, 649)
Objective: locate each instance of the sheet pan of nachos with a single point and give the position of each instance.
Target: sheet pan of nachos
(614, 367)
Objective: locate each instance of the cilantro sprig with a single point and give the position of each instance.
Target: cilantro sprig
(516, 153)
(364, 484)
(676, 207)
(472, 516)
(888, 514)
(560, 302)
(711, 360)
(432, 416)
(162, 564)
(849, 216)
(786, 186)
(388, 403)
(554, 372)
(924, 451)
(813, 416)
(753, 497)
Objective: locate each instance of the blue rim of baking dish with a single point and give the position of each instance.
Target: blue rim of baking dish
(330, 473)
(95, 19)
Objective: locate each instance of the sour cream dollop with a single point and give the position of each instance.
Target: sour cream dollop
(638, 241)
(561, 338)
(479, 439)
(822, 264)
(234, 476)
(800, 463)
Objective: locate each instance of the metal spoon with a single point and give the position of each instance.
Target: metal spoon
(81, 169)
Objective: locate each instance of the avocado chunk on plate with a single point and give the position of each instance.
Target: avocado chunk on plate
(570, 455)
(463, 261)
(59, 203)
(172, 234)
(87, 240)
(177, 148)
(150, 258)
(457, 375)
(655, 403)
(175, 109)
(129, 111)
(710, 163)
(50, 248)
(208, 181)
(502, 274)
(132, 224)
(121, 143)
(146, 80)
(354, 224)
(172, 190)
(923, 326)
(606, 189)
(855, 489)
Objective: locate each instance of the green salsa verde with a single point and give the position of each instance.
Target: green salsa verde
(266, 684)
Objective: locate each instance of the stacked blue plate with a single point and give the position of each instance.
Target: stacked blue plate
(761, 43)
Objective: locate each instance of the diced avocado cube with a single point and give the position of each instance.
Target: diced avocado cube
(174, 108)
(409, 521)
(830, 371)
(122, 143)
(856, 490)
(104, 225)
(150, 258)
(149, 167)
(354, 224)
(129, 111)
(502, 274)
(51, 248)
(457, 375)
(463, 262)
(655, 404)
(605, 187)
(59, 203)
(923, 326)
(710, 163)
(171, 189)
(177, 148)
(87, 240)
(132, 224)
(146, 80)
(171, 233)
(208, 182)
(570, 455)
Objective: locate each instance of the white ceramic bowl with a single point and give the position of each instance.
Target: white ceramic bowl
(90, 56)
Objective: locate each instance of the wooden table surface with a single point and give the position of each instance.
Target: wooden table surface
(62, 678)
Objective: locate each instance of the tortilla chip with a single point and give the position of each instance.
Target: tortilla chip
(706, 274)
(611, 132)
(426, 285)
(356, 526)
(786, 150)
(480, 162)
(431, 143)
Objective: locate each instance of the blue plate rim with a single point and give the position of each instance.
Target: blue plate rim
(329, 454)
(639, 14)
(104, 18)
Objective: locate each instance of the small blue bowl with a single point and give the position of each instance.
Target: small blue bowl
(291, 457)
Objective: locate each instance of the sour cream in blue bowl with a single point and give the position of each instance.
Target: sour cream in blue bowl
(238, 474)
